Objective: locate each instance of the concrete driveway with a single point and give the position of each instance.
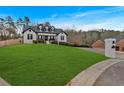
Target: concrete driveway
(96, 50)
(119, 55)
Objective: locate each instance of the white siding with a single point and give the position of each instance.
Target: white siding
(59, 37)
(26, 38)
(47, 34)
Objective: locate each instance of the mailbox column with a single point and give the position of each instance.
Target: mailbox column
(110, 45)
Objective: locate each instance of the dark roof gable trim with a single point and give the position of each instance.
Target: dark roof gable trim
(62, 32)
(28, 29)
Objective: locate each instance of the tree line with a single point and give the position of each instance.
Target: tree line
(80, 37)
(8, 27)
(87, 38)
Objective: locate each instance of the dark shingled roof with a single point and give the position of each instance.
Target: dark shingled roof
(37, 30)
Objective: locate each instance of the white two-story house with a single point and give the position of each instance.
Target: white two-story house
(44, 32)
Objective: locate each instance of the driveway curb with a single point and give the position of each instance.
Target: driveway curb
(3, 82)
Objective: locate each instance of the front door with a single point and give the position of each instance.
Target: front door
(46, 37)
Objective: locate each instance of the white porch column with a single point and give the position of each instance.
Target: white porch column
(57, 38)
(48, 42)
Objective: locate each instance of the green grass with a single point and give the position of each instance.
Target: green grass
(44, 64)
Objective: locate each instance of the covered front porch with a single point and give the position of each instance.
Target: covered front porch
(47, 38)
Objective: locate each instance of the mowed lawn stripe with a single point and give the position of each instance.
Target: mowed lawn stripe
(40, 64)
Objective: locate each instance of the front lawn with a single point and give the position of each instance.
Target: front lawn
(44, 64)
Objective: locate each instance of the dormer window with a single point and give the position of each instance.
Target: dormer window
(47, 28)
(40, 27)
(53, 28)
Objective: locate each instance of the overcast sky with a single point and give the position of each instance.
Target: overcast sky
(78, 17)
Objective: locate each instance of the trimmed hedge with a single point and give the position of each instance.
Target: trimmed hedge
(38, 41)
(69, 44)
(60, 43)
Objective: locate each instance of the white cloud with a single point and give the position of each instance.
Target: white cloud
(113, 23)
(69, 20)
(54, 16)
(85, 14)
(78, 14)
(102, 11)
(66, 25)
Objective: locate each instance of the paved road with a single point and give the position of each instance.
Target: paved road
(89, 76)
(113, 76)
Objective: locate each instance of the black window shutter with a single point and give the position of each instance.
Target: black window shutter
(28, 36)
(31, 36)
